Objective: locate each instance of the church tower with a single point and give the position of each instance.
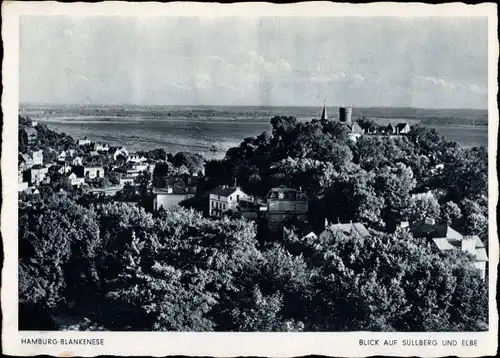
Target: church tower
(324, 116)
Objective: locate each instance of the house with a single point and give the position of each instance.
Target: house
(37, 174)
(136, 158)
(93, 153)
(73, 179)
(100, 147)
(286, 200)
(171, 196)
(31, 133)
(25, 161)
(225, 199)
(125, 171)
(354, 131)
(77, 161)
(61, 169)
(62, 156)
(22, 186)
(139, 167)
(37, 157)
(285, 204)
(127, 180)
(445, 238)
(251, 209)
(390, 129)
(89, 172)
(311, 235)
(84, 141)
(403, 128)
(115, 152)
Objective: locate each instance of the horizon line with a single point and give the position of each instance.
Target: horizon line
(244, 105)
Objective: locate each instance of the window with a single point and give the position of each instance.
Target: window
(213, 204)
(218, 197)
(224, 206)
(230, 198)
(238, 197)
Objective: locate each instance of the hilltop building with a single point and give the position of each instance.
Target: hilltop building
(353, 128)
(324, 115)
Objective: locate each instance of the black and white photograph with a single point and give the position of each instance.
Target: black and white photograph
(254, 174)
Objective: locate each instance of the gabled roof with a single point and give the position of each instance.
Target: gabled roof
(401, 125)
(323, 113)
(350, 228)
(226, 192)
(443, 244)
(478, 242)
(355, 128)
(25, 157)
(481, 255)
(433, 230)
(30, 131)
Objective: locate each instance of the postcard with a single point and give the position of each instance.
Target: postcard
(249, 179)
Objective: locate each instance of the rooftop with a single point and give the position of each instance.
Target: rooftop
(222, 191)
(350, 228)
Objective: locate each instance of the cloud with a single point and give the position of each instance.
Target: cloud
(477, 89)
(435, 81)
(318, 76)
(218, 59)
(259, 64)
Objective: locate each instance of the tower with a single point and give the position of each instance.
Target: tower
(324, 116)
(345, 114)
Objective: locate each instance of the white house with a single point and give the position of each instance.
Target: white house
(77, 161)
(445, 238)
(225, 199)
(403, 128)
(84, 141)
(136, 158)
(38, 174)
(73, 179)
(37, 157)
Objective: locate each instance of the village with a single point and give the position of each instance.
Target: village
(102, 170)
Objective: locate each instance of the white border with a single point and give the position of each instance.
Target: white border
(226, 344)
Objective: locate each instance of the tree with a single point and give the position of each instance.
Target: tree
(192, 161)
(394, 184)
(423, 206)
(450, 213)
(389, 282)
(475, 220)
(56, 245)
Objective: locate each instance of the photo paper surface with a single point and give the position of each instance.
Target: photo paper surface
(249, 179)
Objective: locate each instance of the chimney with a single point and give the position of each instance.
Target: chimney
(430, 221)
(469, 244)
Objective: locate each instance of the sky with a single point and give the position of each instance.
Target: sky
(272, 61)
